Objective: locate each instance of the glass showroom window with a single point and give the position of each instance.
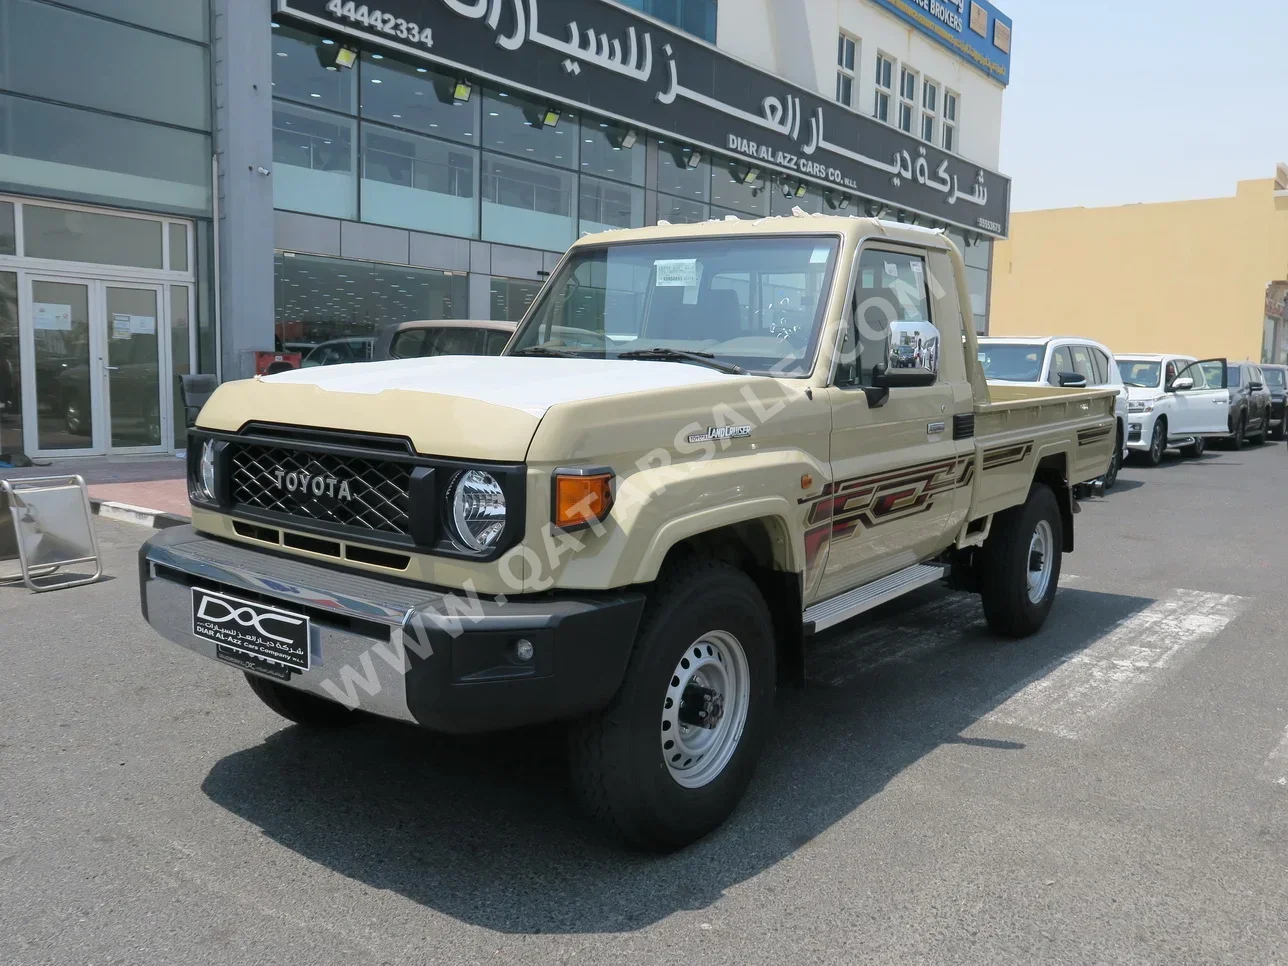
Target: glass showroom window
(298, 74)
(683, 172)
(417, 182)
(609, 150)
(417, 98)
(8, 241)
(606, 205)
(884, 88)
(527, 204)
(321, 300)
(786, 194)
(529, 129)
(847, 57)
(511, 297)
(314, 161)
(681, 211)
(740, 187)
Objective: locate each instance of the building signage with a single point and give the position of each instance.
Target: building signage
(974, 30)
(604, 58)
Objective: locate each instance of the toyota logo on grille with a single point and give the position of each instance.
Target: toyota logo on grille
(312, 484)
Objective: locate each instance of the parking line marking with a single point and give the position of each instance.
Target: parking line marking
(1068, 698)
(1275, 770)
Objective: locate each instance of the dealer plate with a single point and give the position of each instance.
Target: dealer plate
(251, 634)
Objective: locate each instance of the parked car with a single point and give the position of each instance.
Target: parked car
(1277, 383)
(337, 352)
(1174, 400)
(445, 337)
(1064, 361)
(1248, 418)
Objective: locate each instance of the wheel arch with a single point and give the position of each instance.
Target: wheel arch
(1053, 471)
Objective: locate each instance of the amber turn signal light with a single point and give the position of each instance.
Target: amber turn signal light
(582, 497)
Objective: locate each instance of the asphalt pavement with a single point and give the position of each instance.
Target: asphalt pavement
(1114, 790)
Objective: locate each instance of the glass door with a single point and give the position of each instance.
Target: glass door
(133, 364)
(64, 393)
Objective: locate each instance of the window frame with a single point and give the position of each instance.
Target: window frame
(883, 94)
(949, 127)
(908, 105)
(849, 320)
(848, 74)
(930, 111)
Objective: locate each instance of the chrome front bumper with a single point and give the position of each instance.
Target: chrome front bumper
(404, 651)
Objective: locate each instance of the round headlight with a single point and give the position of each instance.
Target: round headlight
(476, 509)
(206, 471)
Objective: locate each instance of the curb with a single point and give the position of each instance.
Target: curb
(141, 516)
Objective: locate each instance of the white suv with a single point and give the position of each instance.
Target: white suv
(1065, 361)
(1172, 403)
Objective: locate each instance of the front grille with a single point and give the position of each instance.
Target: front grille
(362, 492)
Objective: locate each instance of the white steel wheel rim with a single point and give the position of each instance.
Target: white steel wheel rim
(1041, 561)
(714, 664)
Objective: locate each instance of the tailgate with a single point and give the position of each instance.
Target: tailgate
(1024, 425)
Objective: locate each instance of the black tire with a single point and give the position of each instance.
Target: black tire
(1277, 434)
(299, 706)
(1240, 438)
(1115, 463)
(1005, 563)
(618, 767)
(1157, 443)
(1196, 449)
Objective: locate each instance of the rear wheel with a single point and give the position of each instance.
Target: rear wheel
(1019, 566)
(670, 758)
(1196, 448)
(1260, 438)
(1115, 463)
(1278, 432)
(299, 706)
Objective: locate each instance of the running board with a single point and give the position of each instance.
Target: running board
(837, 610)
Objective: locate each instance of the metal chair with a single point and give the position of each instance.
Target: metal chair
(46, 524)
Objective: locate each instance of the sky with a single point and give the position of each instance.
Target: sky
(1115, 102)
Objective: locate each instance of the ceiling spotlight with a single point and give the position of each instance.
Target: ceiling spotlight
(802, 189)
(550, 117)
(695, 159)
(747, 175)
(837, 200)
(462, 90)
(335, 56)
(628, 139)
(787, 189)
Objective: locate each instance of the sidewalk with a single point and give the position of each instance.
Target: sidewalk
(153, 484)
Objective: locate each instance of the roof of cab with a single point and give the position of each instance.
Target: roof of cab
(795, 224)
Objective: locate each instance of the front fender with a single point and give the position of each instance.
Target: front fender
(789, 546)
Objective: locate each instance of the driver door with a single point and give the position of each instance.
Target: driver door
(1203, 409)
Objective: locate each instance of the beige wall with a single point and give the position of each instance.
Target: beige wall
(1180, 277)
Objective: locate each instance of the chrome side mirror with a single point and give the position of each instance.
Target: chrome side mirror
(915, 346)
(1181, 385)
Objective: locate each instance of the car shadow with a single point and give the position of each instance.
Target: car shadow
(484, 829)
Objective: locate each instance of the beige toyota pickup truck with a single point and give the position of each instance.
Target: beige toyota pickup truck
(704, 445)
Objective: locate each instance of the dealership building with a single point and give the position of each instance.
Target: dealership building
(185, 184)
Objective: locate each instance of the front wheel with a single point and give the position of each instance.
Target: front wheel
(1019, 567)
(1260, 438)
(670, 758)
(1240, 439)
(1157, 443)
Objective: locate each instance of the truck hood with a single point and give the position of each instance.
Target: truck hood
(471, 407)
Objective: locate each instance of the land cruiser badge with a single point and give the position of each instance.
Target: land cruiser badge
(715, 434)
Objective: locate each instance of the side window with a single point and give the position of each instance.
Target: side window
(891, 322)
(1061, 361)
(1234, 377)
(1101, 362)
(1082, 363)
(407, 344)
(1198, 371)
(496, 341)
(1169, 376)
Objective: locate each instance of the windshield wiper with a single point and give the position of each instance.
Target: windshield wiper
(544, 350)
(663, 354)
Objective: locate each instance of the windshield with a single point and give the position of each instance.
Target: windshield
(1274, 378)
(1012, 361)
(755, 303)
(1144, 374)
